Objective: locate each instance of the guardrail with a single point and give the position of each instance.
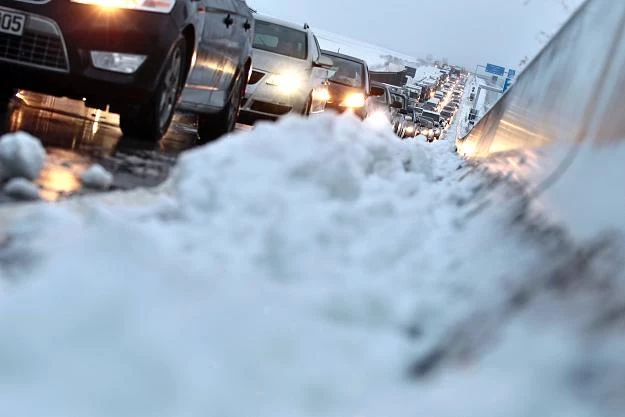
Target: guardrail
(573, 91)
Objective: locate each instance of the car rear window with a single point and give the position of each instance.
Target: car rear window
(280, 40)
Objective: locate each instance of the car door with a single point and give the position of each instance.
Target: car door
(225, 15)
(210, 61)
(244, 32)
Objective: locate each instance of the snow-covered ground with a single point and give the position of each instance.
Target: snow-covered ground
(307, 268)
(375, 56)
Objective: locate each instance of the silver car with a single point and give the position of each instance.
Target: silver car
(289, 73)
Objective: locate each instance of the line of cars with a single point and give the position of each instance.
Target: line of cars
(218, 59)
(432, 117)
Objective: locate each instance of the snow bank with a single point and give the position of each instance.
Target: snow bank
(97, 177)
(22, 189)
(21, 155)
(306, 268)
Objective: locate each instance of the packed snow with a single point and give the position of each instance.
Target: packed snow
(21, 155)
(308, 268)
(97, 177)
(21, 189)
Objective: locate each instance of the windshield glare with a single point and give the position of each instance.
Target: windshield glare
(280, 40)
(346, 72)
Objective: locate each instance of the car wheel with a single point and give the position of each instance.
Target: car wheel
(153, 119)
(212, 126)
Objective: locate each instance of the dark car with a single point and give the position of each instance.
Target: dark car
(447, 115)
(135, 57)
(349, 84)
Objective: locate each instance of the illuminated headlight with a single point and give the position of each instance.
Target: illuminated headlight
(287, 82)
(321, 94)
(409, 129)
(157, 6)
(354, 100)
(116, 62)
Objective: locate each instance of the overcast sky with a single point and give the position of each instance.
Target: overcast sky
(467, 32)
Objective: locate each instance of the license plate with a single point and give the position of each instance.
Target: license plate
(12, 23)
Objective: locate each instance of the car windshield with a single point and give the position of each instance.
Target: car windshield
(280, 40)
(347, 72)
(381, 99)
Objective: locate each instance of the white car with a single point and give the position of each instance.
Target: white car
(289, 74)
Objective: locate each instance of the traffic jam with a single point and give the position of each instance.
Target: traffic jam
(213, 208)
(219, 61)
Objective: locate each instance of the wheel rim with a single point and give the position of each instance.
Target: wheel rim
(171, 84)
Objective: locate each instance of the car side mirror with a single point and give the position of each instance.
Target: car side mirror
(324, 62)
(397, 105)
(376, 91)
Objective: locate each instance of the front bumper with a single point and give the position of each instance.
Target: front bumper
(53, 54)
(265, 101)
(360, 112)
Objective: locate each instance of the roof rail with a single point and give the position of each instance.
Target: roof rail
(306, 26)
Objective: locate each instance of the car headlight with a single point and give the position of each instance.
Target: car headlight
(288, 82)
(354, 100)
(321, 94)
(409, 129)
(157, 6)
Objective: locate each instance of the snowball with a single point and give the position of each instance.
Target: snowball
(22, 189)
(21, 155)
(97, 177)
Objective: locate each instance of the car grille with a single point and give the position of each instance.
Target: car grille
(264, 107)
(255, 77)
(40, 46)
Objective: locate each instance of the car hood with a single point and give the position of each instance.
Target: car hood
(276, 63)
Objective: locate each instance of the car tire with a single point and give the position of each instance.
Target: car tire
(212, 126)
(153, 119)
(6, 94)
(308, 105)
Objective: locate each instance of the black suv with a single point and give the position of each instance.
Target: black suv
(134, 56)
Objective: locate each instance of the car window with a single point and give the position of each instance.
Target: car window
(316, 53)
(383, 99)
(280, 40)
(347, 72)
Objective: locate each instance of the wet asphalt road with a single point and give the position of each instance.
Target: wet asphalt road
(75, 137)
